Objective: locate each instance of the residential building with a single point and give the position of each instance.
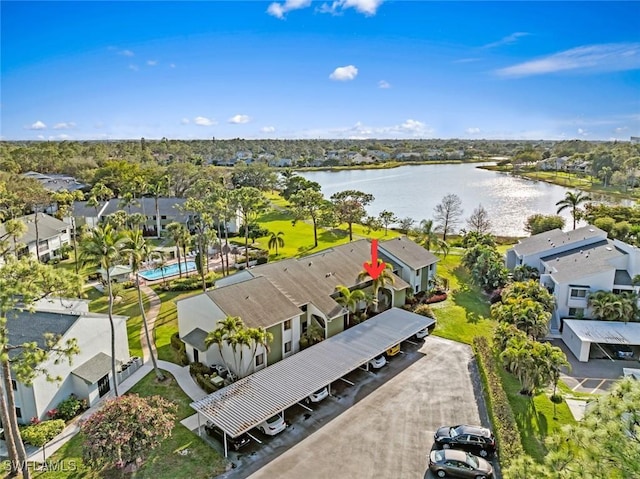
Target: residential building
(44, 238)
(287, 297)
(88, 376)
(573, 265)
(169, 209)
(55, 182)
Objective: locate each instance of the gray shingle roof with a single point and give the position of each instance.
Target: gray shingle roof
(410, 253)
(94, 369)
(26, 327)
(258, 302)
(581, 262)
(196, 339)
(48, 227)
(540, 242)
(167, 206)
(245, 403)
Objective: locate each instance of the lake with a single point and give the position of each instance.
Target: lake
(415, 190)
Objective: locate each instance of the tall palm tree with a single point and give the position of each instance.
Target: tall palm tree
(104, 246)
(260, 337)
(275, 240)
(175, 232)
(384, 278)
(571, 201)
(350, 300)
(138, 251)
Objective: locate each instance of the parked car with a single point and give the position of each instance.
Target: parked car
(272, 426)
(378, 362)
(450, 462)
(475, 439)
(317, 396)
(235, 443)
(393, 350)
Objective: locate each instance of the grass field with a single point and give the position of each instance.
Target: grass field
(184, 454)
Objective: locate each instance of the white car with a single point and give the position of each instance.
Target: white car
(273, 425)
(317, 396)
(378, 362)
(423, 333)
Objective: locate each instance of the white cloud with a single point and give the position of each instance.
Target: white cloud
(59, 137)
(279, 9)
(38, 125)
(126, 53)
(598, 58)
(239, 119)
(384, 84)
(268, 129)
(133, 67)
(344, 73)
(367, 7)
(64, 125)
(184, 121)
(172, 65)
(152, 63)
(583, 132)
(473, 131)
(508, 40)
(203, 121)
(407, 129)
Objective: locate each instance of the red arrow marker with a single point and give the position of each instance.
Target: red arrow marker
(375, 266)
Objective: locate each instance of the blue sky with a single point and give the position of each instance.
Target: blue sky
(337, 69)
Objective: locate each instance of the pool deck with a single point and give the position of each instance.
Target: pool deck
(215, 264)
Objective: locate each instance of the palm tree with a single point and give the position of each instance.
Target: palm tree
(349, 299)
(175, 232)
(139, 251)
(275, 240)
(572, 200)
(104, 246)
(260, 337)
(385, 277)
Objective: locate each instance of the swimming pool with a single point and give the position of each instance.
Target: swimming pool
(167, 271)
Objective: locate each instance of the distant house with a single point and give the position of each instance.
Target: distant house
(89, 374)
(44, 238)
(287, 297)
(53, 182)
(573, 265)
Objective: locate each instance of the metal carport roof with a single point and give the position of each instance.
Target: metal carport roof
(605, 332)
(249, 401)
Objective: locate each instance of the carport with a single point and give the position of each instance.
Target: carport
(244, 404)
(579, 334)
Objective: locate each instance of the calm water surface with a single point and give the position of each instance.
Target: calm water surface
(415, 190)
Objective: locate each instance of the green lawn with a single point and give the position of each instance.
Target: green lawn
(465, 313)
(184, 454)
(167, 322)
(534, 416)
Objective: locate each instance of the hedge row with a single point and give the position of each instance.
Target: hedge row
(41, 433)
(179, 347)
(504, 422)
(204, 383)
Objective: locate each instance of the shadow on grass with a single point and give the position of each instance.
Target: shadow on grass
(332, 235)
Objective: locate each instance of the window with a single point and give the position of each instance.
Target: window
(18, 412)
(259, 359)
(14, 385)
(417, 272)
(287, 347)
(163, 217)
(417, 288)
(576, 312)
(304, 326)
(104, 385)
(287, 324)
(578, 293)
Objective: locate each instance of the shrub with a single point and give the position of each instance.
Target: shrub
(40, 433)
(505, 426)
(424, 310)
(128, 284)
(204, 383)
(262, 260)
(69, 408)
(198, 368)
(436, 298)
(181, 350)
(176, 342)
(556, 398)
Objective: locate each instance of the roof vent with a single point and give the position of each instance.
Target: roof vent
(581, 251)
(609, 248)
(591, 230)
(327, 275)
(310, 263)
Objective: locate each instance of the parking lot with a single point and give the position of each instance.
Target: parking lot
(381, 425)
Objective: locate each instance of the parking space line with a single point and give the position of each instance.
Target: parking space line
(579, 384)
(598, 386)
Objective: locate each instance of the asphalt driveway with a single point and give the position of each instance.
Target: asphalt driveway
(382, 426)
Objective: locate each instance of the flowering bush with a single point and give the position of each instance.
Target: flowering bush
(34, 420)
(52, 413)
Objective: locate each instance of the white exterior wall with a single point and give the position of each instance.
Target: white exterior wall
(579, 348)
(601, 281)
(93, 336)
(633, 258)
(293, 335)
